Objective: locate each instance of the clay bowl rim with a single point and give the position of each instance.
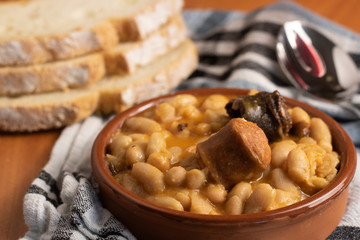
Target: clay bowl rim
(314, 202)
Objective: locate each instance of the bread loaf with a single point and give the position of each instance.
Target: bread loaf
(82, 71)
(56, 109)
(39, 31)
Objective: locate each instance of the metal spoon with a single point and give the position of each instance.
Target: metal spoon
(314, 64)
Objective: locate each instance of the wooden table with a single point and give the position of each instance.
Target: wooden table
(23, 155)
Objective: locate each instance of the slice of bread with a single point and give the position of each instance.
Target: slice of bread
(119, 92)
(127, 57)
(61, 75)
(39, 31)
(124, 58)
(56, 109)
(46, 111)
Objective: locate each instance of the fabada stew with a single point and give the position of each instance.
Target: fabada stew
(220, 154)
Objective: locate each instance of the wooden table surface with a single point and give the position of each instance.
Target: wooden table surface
(22, 156)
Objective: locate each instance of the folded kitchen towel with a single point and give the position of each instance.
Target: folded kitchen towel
(236, 50)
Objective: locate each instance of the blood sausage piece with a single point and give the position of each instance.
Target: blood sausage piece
(267, 110)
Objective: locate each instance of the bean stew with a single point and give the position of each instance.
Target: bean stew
(189, 154)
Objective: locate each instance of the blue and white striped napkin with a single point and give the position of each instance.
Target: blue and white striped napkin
(236, 50)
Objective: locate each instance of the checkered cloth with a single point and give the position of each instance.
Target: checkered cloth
(236, 50)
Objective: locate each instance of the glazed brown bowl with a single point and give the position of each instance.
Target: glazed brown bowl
(313, 218)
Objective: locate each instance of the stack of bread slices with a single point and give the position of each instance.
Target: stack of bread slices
(61, 61)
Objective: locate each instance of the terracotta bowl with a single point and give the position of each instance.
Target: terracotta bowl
(313, 218)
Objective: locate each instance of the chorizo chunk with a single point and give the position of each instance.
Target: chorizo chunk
(239, 151)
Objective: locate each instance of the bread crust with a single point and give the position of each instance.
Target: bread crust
(47, 115)
(41, 49)
(55, 76)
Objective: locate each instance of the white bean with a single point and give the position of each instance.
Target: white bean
(151, 178)
(119, 145)
(167, 202)
(175, 152)
(234, 206)
(298, 165)
(120, 141)
(321, 133)
(134, 154)
(160, 160)
(143, 125)
(183, 100)
(203, 128)
(190, 112)
(195, 179)
(215, 102)
(184, 198)
(260, 199)
(175, 176)
(280, 151)
(216, 193)
(242, 190)
(280, 180)
(299, 115)
(199, 204)
(282, 199)
(165, 112)
(156, 143)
